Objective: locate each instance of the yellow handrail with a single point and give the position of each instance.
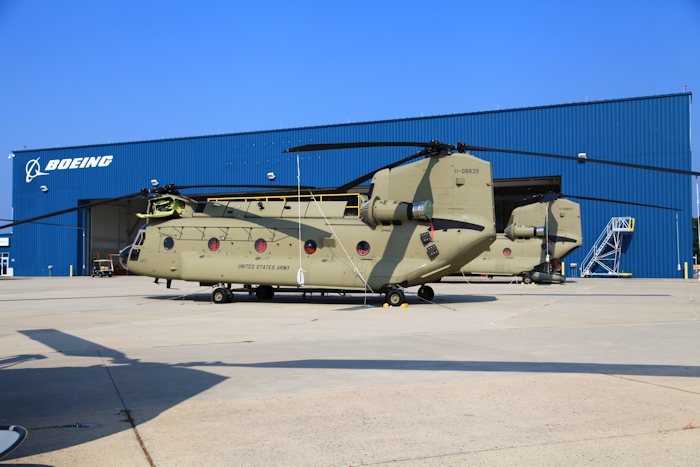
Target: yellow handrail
(293, 198)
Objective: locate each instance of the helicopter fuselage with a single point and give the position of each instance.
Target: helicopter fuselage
(534, 231)
(421, 221)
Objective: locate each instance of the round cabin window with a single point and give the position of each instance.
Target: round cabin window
(260, 245)
(363, 248)
(310, 247)
(168, 243)
(214, 244)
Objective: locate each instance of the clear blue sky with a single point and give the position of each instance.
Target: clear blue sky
(85, 72)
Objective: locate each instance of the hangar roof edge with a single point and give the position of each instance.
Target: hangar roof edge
(481, 112)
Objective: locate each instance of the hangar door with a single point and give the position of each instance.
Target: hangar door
(509, 193)
(112, 227)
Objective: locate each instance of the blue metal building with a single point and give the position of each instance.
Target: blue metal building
(651, 130)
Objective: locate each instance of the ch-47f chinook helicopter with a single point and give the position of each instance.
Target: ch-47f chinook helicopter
(419, 222)
(538, 236)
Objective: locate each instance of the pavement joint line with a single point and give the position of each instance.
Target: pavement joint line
(651, 384)
(547, 304)
(127, 412)
(507, 448)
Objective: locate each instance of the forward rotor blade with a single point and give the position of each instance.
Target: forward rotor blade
(143, 193)
(271, 187)
(586, 160)
(49, 223)
(619, 201)
(73, 209)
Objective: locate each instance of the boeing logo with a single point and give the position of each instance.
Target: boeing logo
(33, 168)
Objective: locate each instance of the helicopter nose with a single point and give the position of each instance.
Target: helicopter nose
(124, 257)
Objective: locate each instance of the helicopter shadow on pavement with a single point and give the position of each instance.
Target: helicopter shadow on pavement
(355, 299)
(98, 388)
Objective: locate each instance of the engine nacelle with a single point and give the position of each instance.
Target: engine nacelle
(520, 231)
(376, 210)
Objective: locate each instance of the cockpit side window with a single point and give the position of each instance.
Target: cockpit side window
(140, 238)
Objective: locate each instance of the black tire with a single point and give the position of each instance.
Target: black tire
(426, 293)
(230, 294)
(395, 297)
(264, 292)
(527, 279)
(219, 295)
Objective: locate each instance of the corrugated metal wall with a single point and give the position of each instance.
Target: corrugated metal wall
(650, 130)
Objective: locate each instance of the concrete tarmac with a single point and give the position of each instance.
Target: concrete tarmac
(123, 372)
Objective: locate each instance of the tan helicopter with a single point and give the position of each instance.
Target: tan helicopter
(419, 222)
(538, 236)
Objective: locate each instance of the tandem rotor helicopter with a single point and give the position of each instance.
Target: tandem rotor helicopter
(421, 220)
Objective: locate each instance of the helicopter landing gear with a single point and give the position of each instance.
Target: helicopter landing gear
(264, 292)
(395, 297)
(221, 295)
(426, 293)
(527, 279)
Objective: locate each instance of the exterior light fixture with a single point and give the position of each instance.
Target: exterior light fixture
(271, 176)
(154, 182)
(44, 188)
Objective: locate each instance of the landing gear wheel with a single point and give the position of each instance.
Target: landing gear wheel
(527, 279)
(395, 297)
(229, 295)
(264, 292)
(220, 295)
(426, 293)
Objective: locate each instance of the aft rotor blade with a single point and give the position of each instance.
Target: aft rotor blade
(326, 147)
(551, 196)
(73, 209)
(429, 149)
(369, 175)
(620, 202)
(586, 160)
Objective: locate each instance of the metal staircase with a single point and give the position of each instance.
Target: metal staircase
(604, 258)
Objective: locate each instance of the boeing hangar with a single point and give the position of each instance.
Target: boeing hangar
(652, 131)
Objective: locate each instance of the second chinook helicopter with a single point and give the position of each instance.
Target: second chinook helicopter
(537, 237)
(419, 222)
